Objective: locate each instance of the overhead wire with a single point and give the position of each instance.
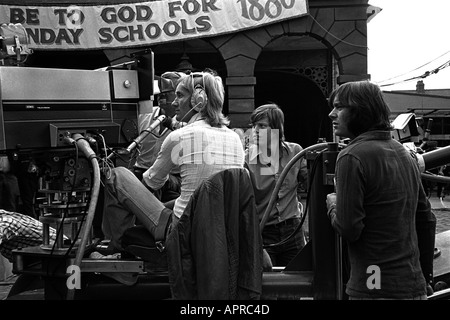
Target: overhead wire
(337, 38)
(422, 76)
(401, 75)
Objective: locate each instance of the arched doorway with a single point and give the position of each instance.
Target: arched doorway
(303, 103)
(294, 72)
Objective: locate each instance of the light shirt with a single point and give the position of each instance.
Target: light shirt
(200, 151)
(265, 177)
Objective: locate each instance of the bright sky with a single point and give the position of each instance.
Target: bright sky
(406, 39)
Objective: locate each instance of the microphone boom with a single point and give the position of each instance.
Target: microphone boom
(146, 132)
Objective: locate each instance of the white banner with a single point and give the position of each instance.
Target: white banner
(144, 23)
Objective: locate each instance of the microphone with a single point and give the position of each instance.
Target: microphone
(156, 122)
(172, 123)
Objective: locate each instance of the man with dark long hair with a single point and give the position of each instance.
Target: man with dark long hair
(380, 203)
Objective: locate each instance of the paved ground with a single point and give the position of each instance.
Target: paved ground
(441, 208)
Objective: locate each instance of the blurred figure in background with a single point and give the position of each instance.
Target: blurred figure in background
(266, 157)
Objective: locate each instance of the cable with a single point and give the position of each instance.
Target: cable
(60, 228)
(337, 38)
(394, 83)
(423, 76)
(308, 197)
(185, 115)
(91, 209)
(414, 69)
(319, 146)
(283, 174)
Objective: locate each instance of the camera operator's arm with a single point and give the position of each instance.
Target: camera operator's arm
(167, 159)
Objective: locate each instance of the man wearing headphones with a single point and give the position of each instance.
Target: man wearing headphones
(202, 148)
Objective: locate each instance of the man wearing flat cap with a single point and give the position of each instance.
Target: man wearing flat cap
(149, 148)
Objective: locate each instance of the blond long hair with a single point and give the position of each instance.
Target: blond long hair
(215, 92)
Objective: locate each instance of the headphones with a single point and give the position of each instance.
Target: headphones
(199, 99)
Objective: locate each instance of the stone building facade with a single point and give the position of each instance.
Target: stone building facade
(295, 63)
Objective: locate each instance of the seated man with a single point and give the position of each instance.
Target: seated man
(202, 148)
(150, 146)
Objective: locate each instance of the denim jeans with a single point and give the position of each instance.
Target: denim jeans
(127, 198)
(169, 191)
(281, 255)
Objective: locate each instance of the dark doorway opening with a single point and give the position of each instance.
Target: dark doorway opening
(303, 103)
